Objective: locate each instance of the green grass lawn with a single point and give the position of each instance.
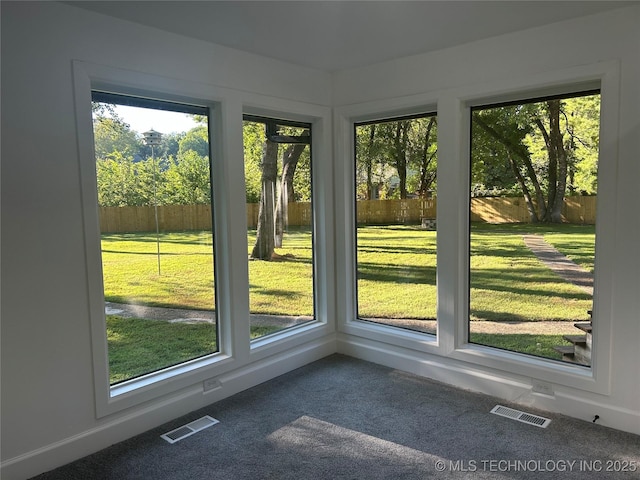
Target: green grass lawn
(139, 346)
(396, 279)
(396, 272)
(539, 345)
(508, 283)
(284, 286)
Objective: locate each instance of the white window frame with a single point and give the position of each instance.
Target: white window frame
(323, 243)
(412, 113)
(113, 398)
(235, 353)
(345, 120)
(453, 111)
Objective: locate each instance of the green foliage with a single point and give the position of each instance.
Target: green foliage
(197, 140)
(117, 181)
(520, 127)
(396, 159)
(127, 174)
(114, 137)
(302, 178)
(253, 141)
(187, 180)
(124, 182)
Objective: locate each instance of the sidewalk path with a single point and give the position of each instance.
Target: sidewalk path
(560, 264)
(180, 315)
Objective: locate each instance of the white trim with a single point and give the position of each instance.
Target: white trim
(322, 167)
(88, 77)
(344, 120)
(510, 387)
(142, 419)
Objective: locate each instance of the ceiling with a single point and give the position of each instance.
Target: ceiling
(337, 35)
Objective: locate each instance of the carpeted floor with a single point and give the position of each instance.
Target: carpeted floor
(342, 418)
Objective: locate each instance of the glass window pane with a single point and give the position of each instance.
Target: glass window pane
(395, 172)
(154, 197)
(533, 203)
(277, 162)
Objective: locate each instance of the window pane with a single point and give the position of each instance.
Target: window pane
(154, 196)
(277, 162)
(396, 222)
(533, 199)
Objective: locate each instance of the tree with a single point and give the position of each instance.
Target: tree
(117, 186)
(264, 247)
(427, 160)
(290, 158)
(187, 180)
(543, 144)
(112, 135)
(405, 150)
(196, 139)
(253, 142)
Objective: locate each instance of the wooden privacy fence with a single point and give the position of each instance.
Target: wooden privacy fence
(580, 210)
(142, 219)
(382, 212)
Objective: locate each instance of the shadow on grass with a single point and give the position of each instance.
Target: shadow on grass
(162, 254)
(495, 316)
(421, 250)
(540, 284)
(274, 292)
(195, 237)
(396, 273)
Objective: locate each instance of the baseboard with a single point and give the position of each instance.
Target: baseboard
(570, 402)
(161, 411)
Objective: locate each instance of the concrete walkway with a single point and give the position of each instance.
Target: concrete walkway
(179, 315)
(560, 264)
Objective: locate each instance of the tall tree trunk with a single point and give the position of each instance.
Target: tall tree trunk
(531, 208)
(558, 165)
(557, 143)
(425, 179)
(522, 153)
(400, 143)
(264, 246)
(372, 134)
(290, 159)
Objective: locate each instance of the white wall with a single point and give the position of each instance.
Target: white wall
(48, 404)
(531, 60)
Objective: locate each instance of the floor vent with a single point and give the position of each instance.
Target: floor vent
(521, 416)
(189, 429)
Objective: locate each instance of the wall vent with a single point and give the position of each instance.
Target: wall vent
(523, 417)
(189, 429)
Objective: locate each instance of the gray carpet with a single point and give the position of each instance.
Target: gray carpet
(342, 418)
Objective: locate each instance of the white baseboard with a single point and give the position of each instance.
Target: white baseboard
(570, 402)
(161, 411)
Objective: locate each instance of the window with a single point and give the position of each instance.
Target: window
(277, 162)
(155, 210)
(395, 188)
(533, 194)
